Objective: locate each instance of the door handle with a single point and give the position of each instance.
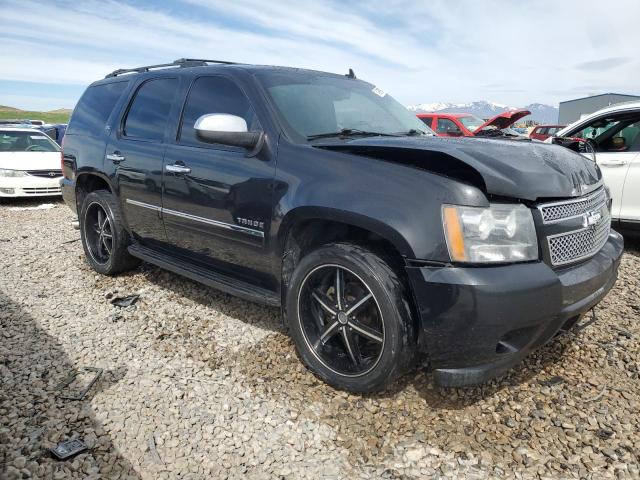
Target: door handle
(115, 157)
(613, 163)
(177, 169)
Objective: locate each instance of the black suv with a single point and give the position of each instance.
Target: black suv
(383, 244)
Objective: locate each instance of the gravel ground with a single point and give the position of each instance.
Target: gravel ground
(198, 384)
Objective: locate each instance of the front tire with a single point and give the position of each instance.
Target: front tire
(104, 238)
(350, 319)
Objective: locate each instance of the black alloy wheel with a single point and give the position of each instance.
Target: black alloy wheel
(341, 320)
(104, 238)
(99, 233)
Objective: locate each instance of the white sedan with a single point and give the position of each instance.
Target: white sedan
(29, 163)
(614, 134)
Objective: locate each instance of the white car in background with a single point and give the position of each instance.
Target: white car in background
(29, 163)
(614, 134)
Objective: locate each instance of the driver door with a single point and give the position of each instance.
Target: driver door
(217, 199)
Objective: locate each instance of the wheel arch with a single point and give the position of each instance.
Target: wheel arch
(304, 215)
(307, 228)
(87, 182)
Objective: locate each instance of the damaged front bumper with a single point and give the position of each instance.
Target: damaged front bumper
(477, 322)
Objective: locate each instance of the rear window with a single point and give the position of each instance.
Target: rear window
(92, 112)
(26, 142)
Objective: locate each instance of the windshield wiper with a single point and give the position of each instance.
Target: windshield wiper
(350, 132)
(413, 132)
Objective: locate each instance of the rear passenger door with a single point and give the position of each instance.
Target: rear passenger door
(136, 150)
(217, 206)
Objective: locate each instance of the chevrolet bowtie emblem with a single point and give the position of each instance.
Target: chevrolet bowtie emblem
(591, 218)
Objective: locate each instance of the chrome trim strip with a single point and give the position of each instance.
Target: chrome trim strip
(144, 205)
(570, 201)
(208, 221)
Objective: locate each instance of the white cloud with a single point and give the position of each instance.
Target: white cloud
(511, 52)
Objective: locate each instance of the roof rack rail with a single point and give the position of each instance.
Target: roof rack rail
(181, 62)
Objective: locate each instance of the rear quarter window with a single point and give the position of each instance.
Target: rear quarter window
(94, 108)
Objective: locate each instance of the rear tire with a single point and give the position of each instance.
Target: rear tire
(350, 318)
(103, 235)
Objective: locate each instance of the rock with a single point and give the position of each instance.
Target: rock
(414, 455)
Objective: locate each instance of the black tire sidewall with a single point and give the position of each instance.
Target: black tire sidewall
(118, 250)
(386, 288)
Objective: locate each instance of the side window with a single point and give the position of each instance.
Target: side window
(596, 128)
(92, 112)
(542, 130)
(446, 126)
(428, 121)
(214, 95)
(627, 139)
(149, 111)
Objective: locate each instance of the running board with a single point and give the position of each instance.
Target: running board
(202, 275)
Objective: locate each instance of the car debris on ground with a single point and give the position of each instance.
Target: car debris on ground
(124, 301)
(68, 449)
(96, 373)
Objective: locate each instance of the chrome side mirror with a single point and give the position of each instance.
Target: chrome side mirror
(226, 129)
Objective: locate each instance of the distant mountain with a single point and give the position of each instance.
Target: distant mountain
(54, 116)
(540, 113)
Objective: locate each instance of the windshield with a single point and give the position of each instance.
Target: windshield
(471, 122)
(310, 105)
(17, 141)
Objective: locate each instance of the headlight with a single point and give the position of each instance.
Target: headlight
(11, 173)
(499, 233)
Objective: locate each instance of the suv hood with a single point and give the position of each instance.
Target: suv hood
(526, 171)
(504, 119)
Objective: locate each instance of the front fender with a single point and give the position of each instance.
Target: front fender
(400, 203)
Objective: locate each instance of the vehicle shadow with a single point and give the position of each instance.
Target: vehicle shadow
(462, 397)
(32, 416)
(26, 202)
(269, 318)
(265, 317)
(632, 245)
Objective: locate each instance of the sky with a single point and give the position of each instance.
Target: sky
(510, 52)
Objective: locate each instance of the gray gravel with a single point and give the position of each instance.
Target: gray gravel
(199, 384)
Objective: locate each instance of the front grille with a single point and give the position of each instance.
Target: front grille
(570, 247)
(42, 190)
(558, 211)
(45, 173)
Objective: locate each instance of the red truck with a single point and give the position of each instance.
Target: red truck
(542, 132)
(468, 125)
